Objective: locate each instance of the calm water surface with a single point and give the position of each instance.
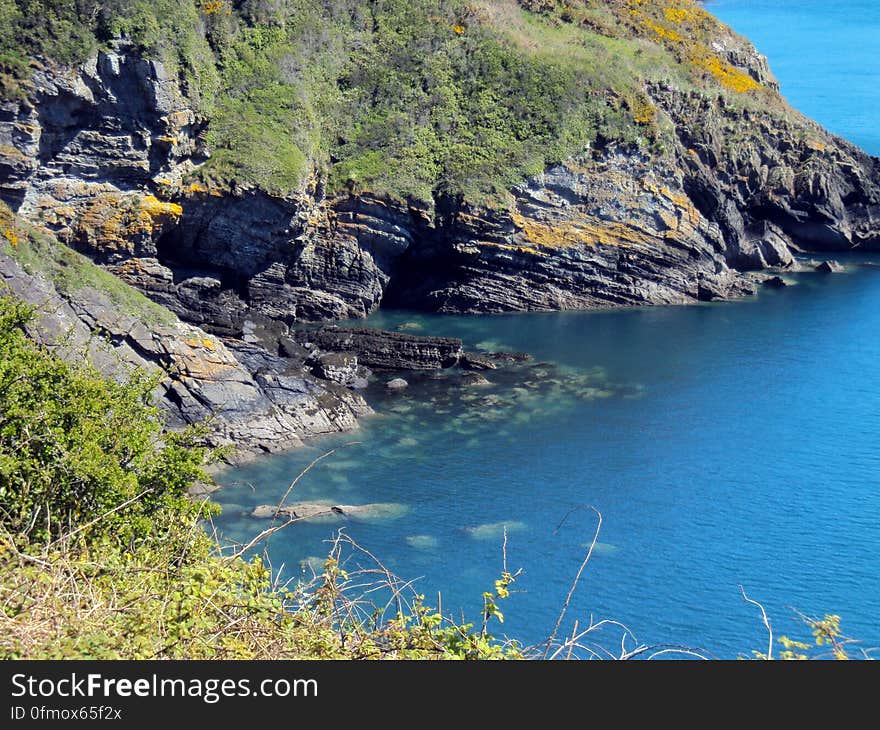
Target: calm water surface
(725, 445)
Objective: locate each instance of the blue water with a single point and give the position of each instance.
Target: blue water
(724, 445)
(825, 54)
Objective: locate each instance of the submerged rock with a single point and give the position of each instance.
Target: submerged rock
(325, 510)
(470, 361)
(422, 542)
(409, 327)
(313, 563)
(474, 380)
(516, 357)
(490, 530)
(396, 384)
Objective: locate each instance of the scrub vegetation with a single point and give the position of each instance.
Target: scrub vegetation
(409, 98)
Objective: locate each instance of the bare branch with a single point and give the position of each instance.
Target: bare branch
(574, 584)
(765, 619)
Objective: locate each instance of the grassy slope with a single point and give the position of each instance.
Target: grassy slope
(404, 97)
(38, 252)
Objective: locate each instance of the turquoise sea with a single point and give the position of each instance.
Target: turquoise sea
(725, 445)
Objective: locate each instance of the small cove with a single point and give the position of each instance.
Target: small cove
(725, 444)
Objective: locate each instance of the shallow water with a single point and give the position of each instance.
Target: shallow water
(724, 445)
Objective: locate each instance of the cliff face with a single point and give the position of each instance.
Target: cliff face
(248, 398)
(100, 155)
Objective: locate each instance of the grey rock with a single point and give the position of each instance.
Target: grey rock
(774, 282)
(470, 361)
(829, 267)
(396, 384)
(737, 188)
(339, 367)
(321, 510)
(383, 350)
(250, 398)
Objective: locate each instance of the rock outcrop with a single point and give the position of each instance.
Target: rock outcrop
(249, 399)
(384, 350)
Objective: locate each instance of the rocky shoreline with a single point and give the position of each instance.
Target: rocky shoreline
(101, 157)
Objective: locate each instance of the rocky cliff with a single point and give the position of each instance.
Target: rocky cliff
(100, 156)
(249, 400)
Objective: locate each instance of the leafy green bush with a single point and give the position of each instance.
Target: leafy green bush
(77, 448)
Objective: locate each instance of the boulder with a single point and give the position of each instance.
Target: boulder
(470, 361)
(774, 282)
(829, 267)
(396, 384)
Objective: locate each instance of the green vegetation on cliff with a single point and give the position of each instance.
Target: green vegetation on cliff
(421, 98)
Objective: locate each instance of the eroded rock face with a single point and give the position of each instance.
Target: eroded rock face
(99, 155)
(614, 229)
(250, 399)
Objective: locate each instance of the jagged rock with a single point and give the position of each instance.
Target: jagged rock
(260, 405)
(774, 282)
(763, 247)
(98, 154)
(470, 361)
(383, 350)
(202, 489)
(829, 267)
(474, 380)
(396, 384)
(340, 367)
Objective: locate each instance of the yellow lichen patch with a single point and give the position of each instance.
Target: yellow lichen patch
(728, 76)
(156, 208)
(12, 153)
(203, 342)
(687, 211)
(816, 145)
(458, 29)
(582, 231)
(117, 221)
(669, 220)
